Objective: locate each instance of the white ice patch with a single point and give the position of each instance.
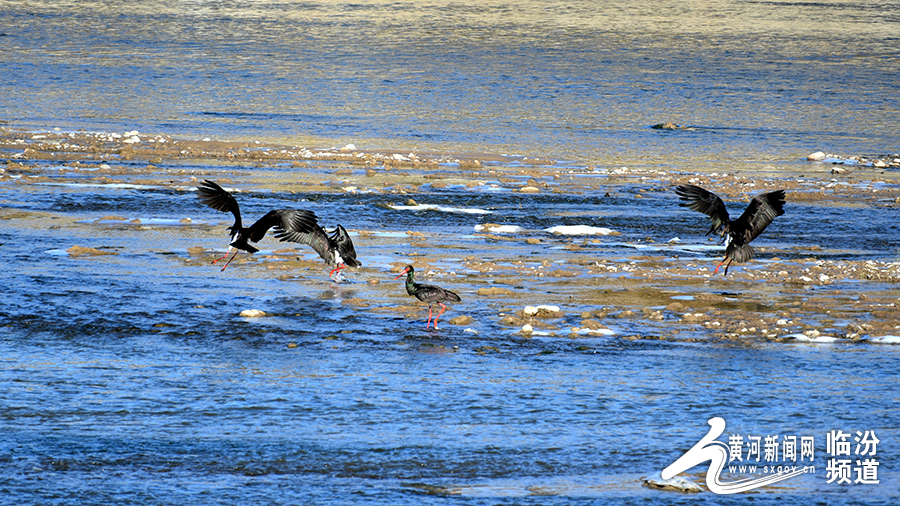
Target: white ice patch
(579, 230)
(884, 340)
(444, 209)
(501, 229)
(803, 338)
(123, 186)
(593, 332)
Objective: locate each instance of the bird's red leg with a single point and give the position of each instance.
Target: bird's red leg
(226, 255)
(726, 266)
(336, 269)
(443, 308)
(232, 258)
(720, 265)
(429, 317)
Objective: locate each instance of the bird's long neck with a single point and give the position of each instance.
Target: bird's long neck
(411, 283)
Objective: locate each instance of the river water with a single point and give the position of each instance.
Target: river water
(132, 379)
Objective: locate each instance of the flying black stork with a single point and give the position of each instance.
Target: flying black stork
(336, 249)
(283, 220)
(429, 294)
(736, 233)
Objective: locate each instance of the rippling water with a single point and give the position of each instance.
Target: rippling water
(131, 379)
(763, 81)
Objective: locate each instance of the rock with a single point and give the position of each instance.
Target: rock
(528, 189)
(590, 323)
(879, 164)
(348, 147)
(527, 329)
(675, 307)
(77, 251)
(411, 203)
(674, 484)
(184, 220)
(252, 313)
(460, 320)
(196, 251)
(532, 240)
(542, 311)
(815, 157)
(494, 290)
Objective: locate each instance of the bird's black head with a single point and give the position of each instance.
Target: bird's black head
(408, 269)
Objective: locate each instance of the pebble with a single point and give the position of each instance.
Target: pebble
(528, 189)
(527, 329)
(818, 155)
(460, 320)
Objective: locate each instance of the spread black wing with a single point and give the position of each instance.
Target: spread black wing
(217, 198)
(310, 234)
(759, 214)
(284, 221)
(698, 199)
(345, 248)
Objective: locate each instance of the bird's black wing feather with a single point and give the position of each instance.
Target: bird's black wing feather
(341, 238)
(217, 198)
(306, 230)
(281, 220)
(431, 293)
(708, 203)
(760, 213)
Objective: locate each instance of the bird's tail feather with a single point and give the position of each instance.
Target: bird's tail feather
(739, 253)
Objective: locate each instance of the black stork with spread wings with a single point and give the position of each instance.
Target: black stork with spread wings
(336, 249)
(429, 294)
(282, 220)
(737, 233)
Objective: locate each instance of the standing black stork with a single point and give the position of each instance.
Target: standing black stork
(427, 293)
(282, 220)
(737, 233)
(336, 249)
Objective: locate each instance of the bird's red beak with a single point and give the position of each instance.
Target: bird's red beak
(401, 273)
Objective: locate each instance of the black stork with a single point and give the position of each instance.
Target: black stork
(736, 233)
(336, 249)
(217, 198)
(429, 294)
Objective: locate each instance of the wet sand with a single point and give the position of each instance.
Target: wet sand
(653, 293)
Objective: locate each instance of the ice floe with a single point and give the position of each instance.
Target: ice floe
(499, 229)
(123, 186)
(884, 340)
(443, 209)
(580, 230)
(593, 332)
(803, 338)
